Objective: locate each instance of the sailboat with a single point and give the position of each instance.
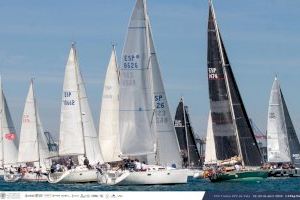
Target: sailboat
(78, 138)
(33, 148)
(146, 128)
(187, 142)
(233, 136)
(282, 141)
(8, 140)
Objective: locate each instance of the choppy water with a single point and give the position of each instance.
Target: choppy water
(269, 184)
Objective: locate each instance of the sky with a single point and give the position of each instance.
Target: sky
(261, 38)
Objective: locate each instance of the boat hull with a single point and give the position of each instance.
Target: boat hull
(11, 177)
(33, 177)
(239, 176)
(29, 177)
(284, 172)
(195, 173)
(74, 176)
(173, 176)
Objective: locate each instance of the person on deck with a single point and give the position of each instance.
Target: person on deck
(237, 167)
(144, 166)
(138, 165)
(86, 162)
(70, 163)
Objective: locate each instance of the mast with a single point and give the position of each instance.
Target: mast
(149, 67)
(186, 133)
(79, 98)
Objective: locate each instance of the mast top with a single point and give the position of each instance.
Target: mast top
(73, 44)
(181, 99)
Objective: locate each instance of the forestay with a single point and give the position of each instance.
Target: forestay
(109, 137)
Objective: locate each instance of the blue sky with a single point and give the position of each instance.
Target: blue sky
(261, 38)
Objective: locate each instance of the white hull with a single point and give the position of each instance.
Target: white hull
(285, 172)
(74, 176)
(30, 177)
(8, 177)
(33, 177)
(1, 172)
(152, 177)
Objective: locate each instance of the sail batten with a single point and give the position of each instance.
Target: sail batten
(231, 127)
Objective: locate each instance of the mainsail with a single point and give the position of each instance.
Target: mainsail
(9, 150)
(185, 136)
(109, 137)
(146, 125)
(33, 145)
(282, 141)
(136, 109)
(77, 131)
(231, 127)
(210, 148)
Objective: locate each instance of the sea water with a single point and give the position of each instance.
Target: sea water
(269, 184)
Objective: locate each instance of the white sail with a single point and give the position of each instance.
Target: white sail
(33, 145)
(277, 140)
(136, 109)
(9, 150)
(109, 137)
(43, 145)
(71, 141)
(168, 151)
(210, 149)
(91, 142)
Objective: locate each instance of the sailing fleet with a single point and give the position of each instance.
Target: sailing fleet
(137, 142)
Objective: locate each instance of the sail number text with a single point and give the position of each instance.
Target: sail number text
(131, 61)
(160, 106)
(212, 73)
(68, 102)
